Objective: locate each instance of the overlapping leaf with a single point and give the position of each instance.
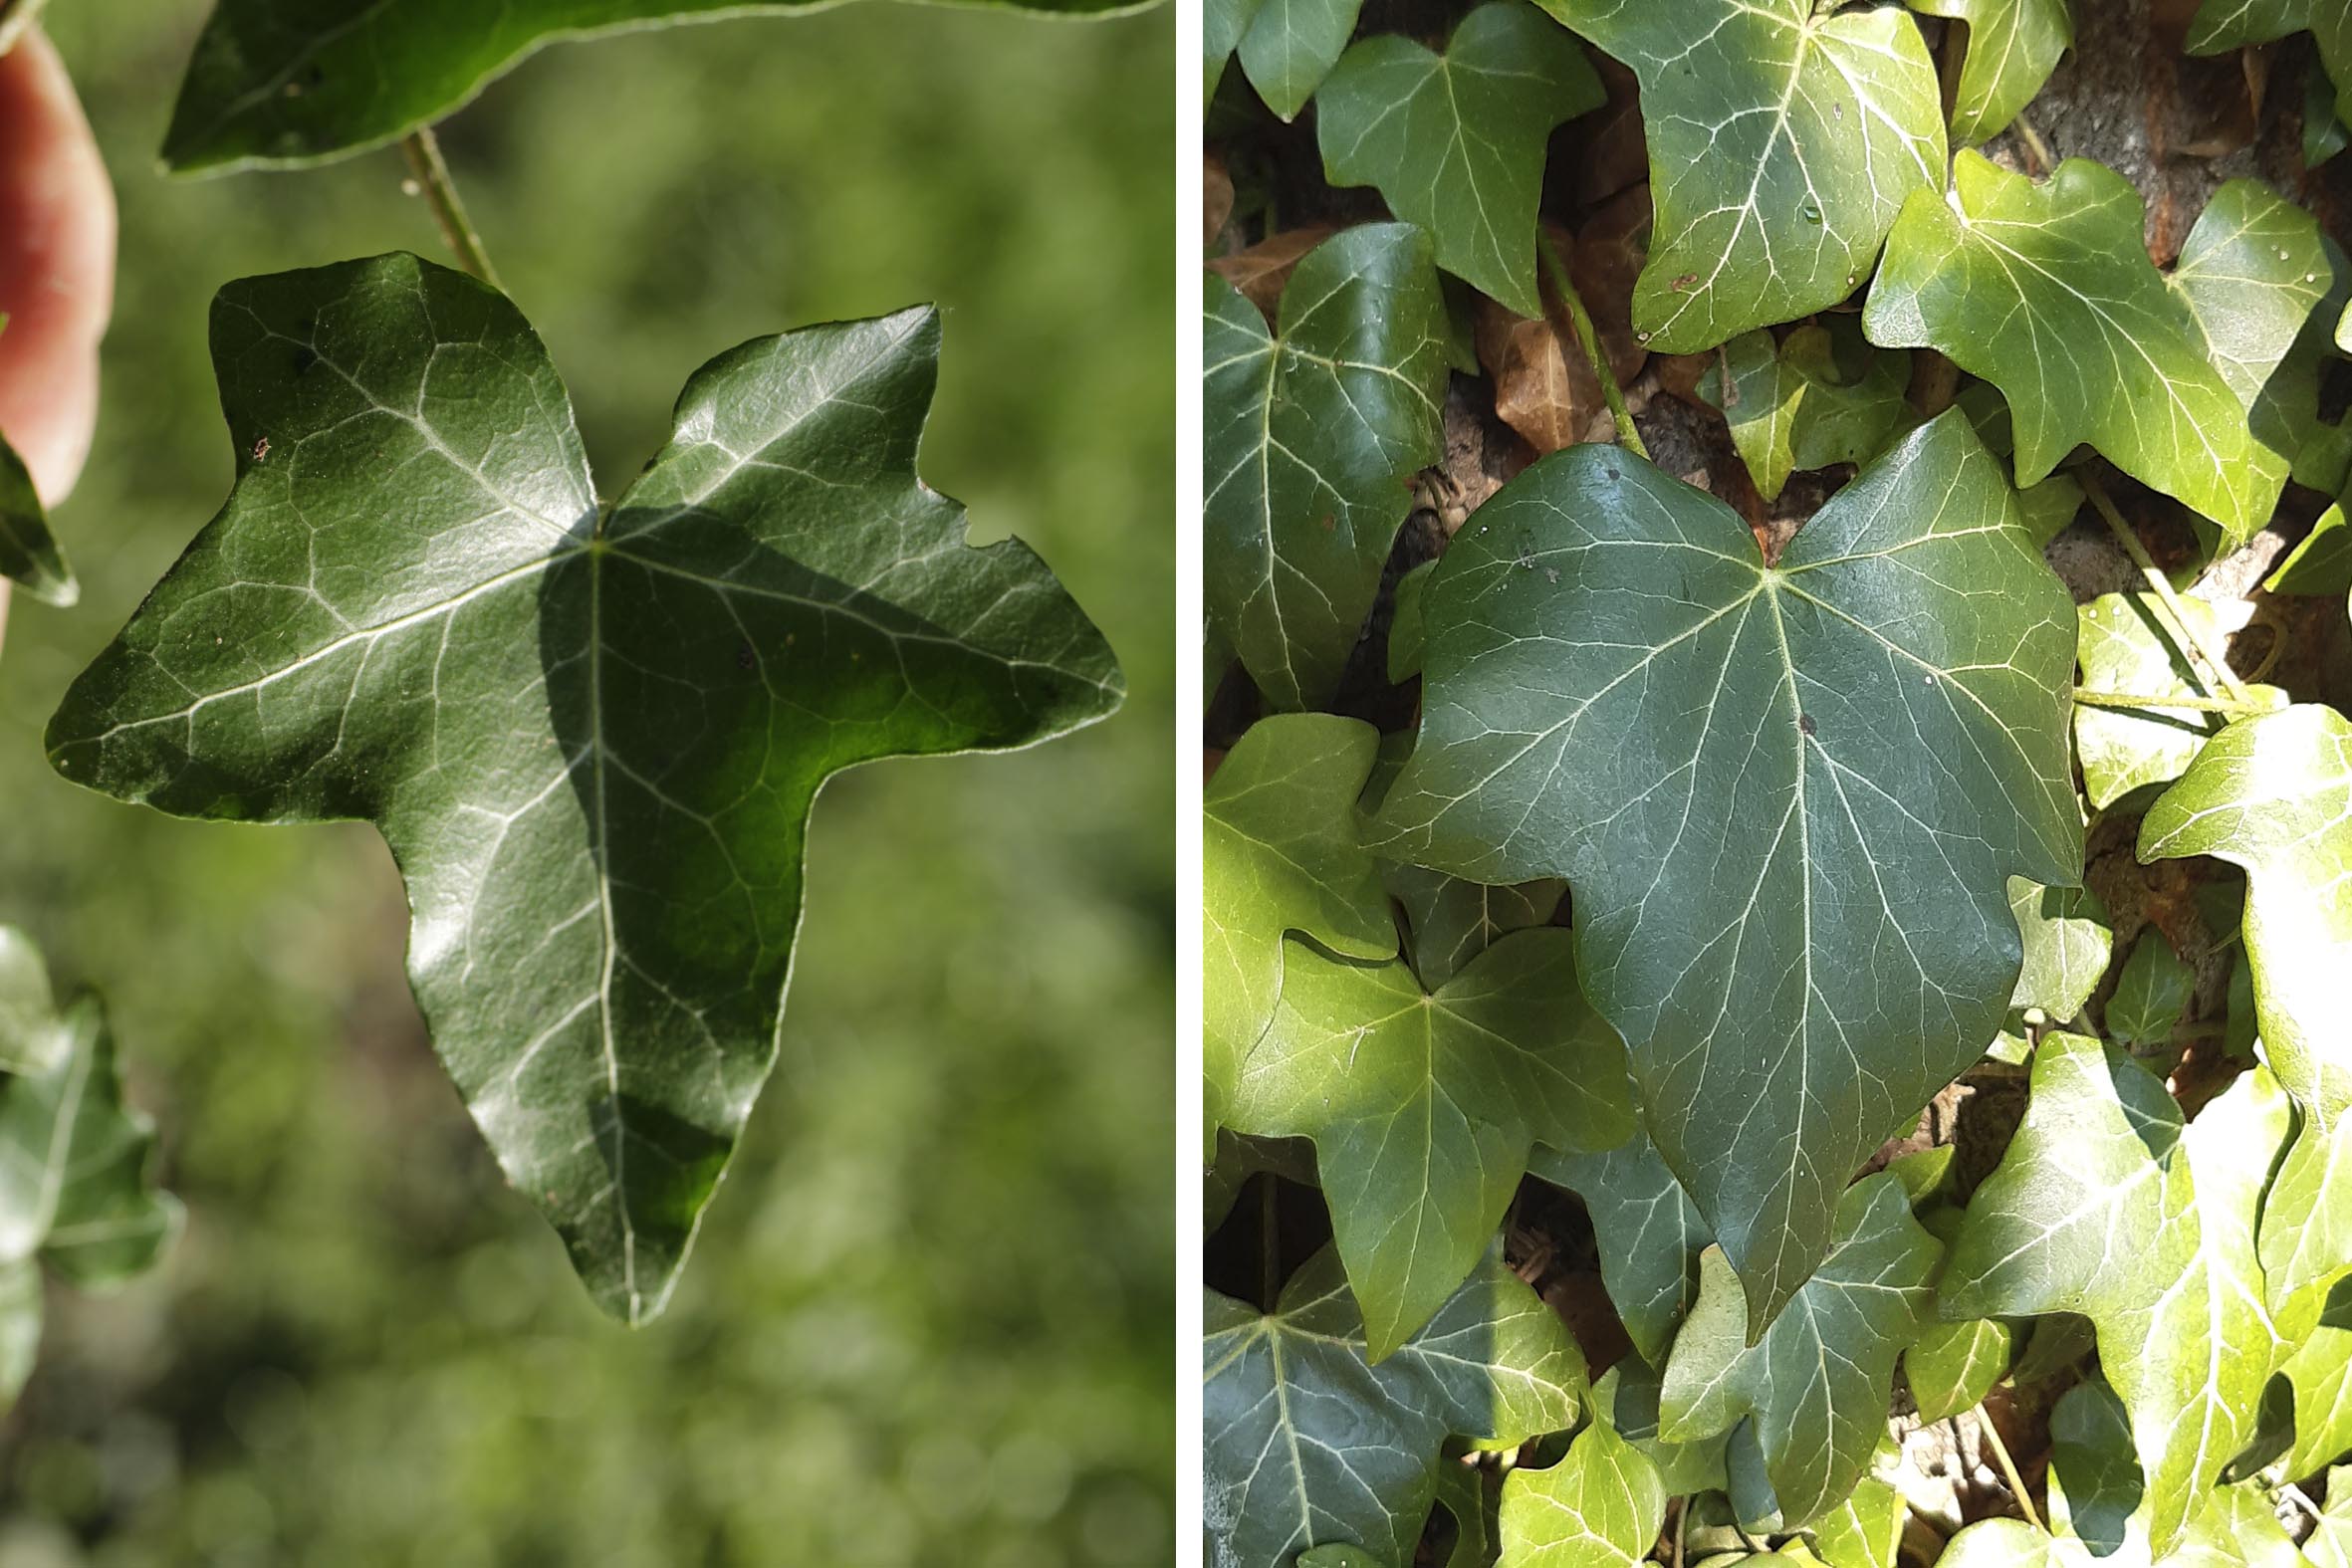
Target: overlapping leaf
(293, 82)
(1865, 1531)
(2306, 1232)
(28, 551)
(1600, 1507)
(1788, 799)
(2150, 994)
(1309, 436)
(592, 735)
(1818, 1380)
(2233, 24)
(1783, 140)
(2012, 47)
(1790, 408)
(2330, 1544)
(1455, 141)
(2104, 1205)
(1453, 921)
(1310, 1443)
(1289, 46)
(2129, 649)
(2320, 1373)
(2068, 940)
(1423, 1106)
(1953, 1366)
(1649, 1234)
(1281, 851)
(2045, 290)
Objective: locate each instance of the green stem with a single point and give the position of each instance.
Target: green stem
(2235, 710)
(1588, 340)
(2008, 1471)
(423, 151)
(16, 17)
(2192, 643)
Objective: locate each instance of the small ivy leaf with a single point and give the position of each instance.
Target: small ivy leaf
(2068, 941)
(1759, 787)
(2322, 562)
(1626, 1397)
(1224, 22)
(2151, 993)
(1423, 1106)
(1453, 921)
(1649, 1232)
(1865, 1531)
(1819, 1381)
(1290, 46)
(2104, 1205)
(2127, 648)
(1953, 1366)
(2307, 1233)
(2222, 25)
(1789, 408)
(28, 551)
(591, 738)
(1309, 1442)
(1281, 851)
(2273, 795)
(278, 83)
(1455, 141)
(2012, 47)
(1783, 140)
(1473, 1505)
(1311, 434)
(2319, 1374)
(2045, 289)
(1600, 1507)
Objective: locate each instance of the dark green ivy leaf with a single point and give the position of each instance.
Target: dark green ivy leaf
(2150, 994)
(592, 735)
(1788, 799)
(28, 551)
(1649, 1234)
(1454, 921)
(1290, 45)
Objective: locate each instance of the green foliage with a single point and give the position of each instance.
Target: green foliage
(29, 553)
(2128, 648)
(2067, 942)
(1649, 1234)
(1600, 1507)
(2013, 46)
(1790, 407)
(1287, 47)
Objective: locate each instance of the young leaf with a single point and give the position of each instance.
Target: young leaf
(2272, 795)
(1789, 408)
(1307, 1442)
(1953, 1366)
(1783, 140)
(1423, 1106)
(2151, 993)
(591, 736)
(2320, 1375)
(2012, 47)
(1649, 1232)
(1818, 1380)
(1310, 435)
(1600, 1507)
(1281, 851)
(284, 82)
(2068, 941)
(1788, 799)
(2104, 1205)
(1455, 141)
(2046, 291)
(2128, 648)
(28, 551)
(1290, 45)
(1454, 921)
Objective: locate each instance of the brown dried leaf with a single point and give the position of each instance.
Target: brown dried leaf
(1260, 271)
(1608, 256)
(1215, 200)
(1543, 389)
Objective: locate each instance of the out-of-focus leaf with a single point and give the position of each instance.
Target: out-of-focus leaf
(1791, 409)
(1307, 1442)
(2068, 941)
(1311, 434)
(1649, 1232)
(2128, 649)
(1600, 1507)
(1788, 799)
(1455, 141)
(2012, 47)
(29, 551)
(2150, 994)
(1784, 140)
(1423, 1106)
(590, 736)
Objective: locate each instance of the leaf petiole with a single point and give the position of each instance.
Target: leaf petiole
(2183, 629)
(1588, 340)
(423, 150)
(2008, 1471)
(2235, 710)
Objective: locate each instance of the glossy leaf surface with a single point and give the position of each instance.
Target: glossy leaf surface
(1600, 1507)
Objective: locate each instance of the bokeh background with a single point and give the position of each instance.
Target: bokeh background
(929, 1319)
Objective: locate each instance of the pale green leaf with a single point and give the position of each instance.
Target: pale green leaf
(1790, 408)
(2306, 1232)
(1649, 1232)
(1788, 799)
(1281, 851)
(2150, 994)
(2103, 1205)
(1290, 45)
(2233, 24)
(590, 735)
(1600, 1507)
(1423, 1106)
(1953, 1366)
(1309, 436)
(1819, 1381)
(2068, 941)
(1308, 1442)
(1865, 1531)
(2045, 290)
(2320, 1375)
(2012, 47)
(2127, 649)
(1784, 138)
(2330, 1542)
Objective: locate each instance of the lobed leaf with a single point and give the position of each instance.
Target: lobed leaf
(1648, 1231)
(2068, 940)
(1789, 407)
(2012, 47)
(2128, 648)
(1599, 1507)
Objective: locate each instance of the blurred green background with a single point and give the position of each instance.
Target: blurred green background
(930, 1317)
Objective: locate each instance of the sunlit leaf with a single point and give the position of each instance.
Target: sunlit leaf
(2012, 47)
(1600, 1507)
(2128, 649)
(1953, 1366)
(2068, 941)
(1790, 408)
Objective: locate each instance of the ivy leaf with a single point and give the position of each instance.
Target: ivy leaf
(1454, 921)
(1422, 1105)
(2104, 1205)
(1224, 22)
(1281, 851)
(2330, 1543)
(1600, 1507)
(1650, 1235)
(2221, 25)
(1310, 435)
(2322, 562)
(285, 82)
(1310, 1443)
(2068, 940)
(2150, 994)
(2273, 795)
(28, 551)
(1455, 141)
(2319, 1372)
(1788, 799)
(1290, 46)
(1819, 1381)
(591, 736)
(1407, 631)
(1626, 1397)
(1953, 1366)
(1473, 1505)
(2306, 1232)
(1789, 407)
(1783, 140)
(2126, 649)
(2046, 291)
(1865, 1531)
(2012, 47)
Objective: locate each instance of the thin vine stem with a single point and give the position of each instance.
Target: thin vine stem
(2008, 1471)
(1588, 340)
(2235, 710)
(423, 150)
(2192, 643)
